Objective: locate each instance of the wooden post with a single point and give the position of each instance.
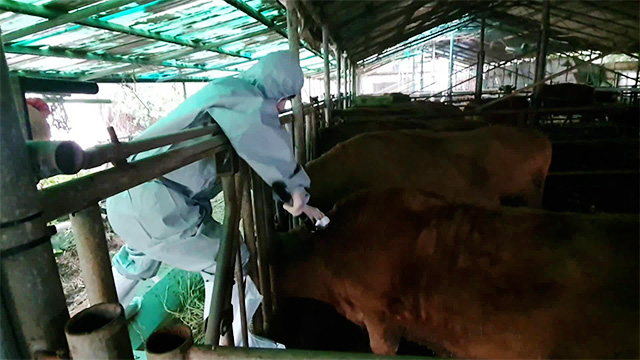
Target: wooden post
(480, 67)
(294, 46)
(327, 75)
(541, 60)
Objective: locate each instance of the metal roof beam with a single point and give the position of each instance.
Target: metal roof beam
(240, 5)
(41, 11)
(65, 18)
(600, 6)
(79, 54)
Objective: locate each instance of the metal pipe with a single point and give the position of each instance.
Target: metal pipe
(8, 343)
(339, 78)
(175, 343)
(31, 290)
(345, 99)
(480, 65)
(79, 193)
(99, 332)
(95, 262)
(294, 47)
(327, 75)
(451, 42)
(111, 152)
(41, 11)
(354, 84)
(239, 277)
(240, 282)
(541, 60)
(169, 343)
(221, 311)
(262, 244)
(55, 157)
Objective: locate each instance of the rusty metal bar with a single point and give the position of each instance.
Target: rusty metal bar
(32, 298)
(221, 312)
(262, 249)
(111, 152)
(239, 277)
(77, 194)
(95, 262)
(175, 343)
(99, 332)
(294, 47)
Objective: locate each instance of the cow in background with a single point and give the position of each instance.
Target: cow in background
(503, 112)
(471, 281)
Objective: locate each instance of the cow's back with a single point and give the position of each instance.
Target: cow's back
(485, 164)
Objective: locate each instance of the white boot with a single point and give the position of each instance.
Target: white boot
(124, 287)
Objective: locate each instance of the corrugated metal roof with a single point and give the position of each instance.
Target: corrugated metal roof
(146, 39)
(367, 28)
(161, 40)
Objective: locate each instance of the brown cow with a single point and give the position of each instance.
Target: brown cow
(474, 282)
(494, 164)
(505, 112)
(332, 136)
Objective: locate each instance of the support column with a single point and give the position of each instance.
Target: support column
(347, 81)
(32, 296)
(95, 262)
(541, 60)
(339, 78)
(354, 84)
(221, 310)
(480, 67)
(422, 69)
(451, 43)
(294, 46)
(327, 76)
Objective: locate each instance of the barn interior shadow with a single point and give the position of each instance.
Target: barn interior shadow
(309, 324)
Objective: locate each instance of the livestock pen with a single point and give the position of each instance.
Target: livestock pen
(567, 70)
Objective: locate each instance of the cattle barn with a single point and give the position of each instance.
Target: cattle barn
(478, 161)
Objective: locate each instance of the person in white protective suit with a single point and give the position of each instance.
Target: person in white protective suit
(169, 219)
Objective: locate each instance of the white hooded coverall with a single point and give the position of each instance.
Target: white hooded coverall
(169, 219)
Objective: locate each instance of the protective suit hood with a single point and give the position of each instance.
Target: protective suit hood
(277, 75)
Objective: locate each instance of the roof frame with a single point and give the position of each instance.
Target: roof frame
(600, 6)
(64, 18)
(86, 55)
(248, 10)
(41, 11)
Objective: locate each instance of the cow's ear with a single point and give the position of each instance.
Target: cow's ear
(418, 200)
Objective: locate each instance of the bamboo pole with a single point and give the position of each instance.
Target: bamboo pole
(95, 262)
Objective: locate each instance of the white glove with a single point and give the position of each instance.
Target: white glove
(299, 205)
(299, 200)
